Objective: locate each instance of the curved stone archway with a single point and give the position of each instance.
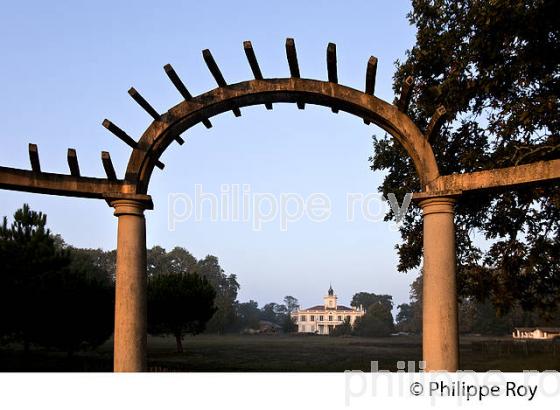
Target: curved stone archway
(163, 131)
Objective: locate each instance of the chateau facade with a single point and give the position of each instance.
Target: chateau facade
(322, 319)
(541, 333)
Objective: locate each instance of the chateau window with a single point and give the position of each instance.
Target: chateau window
(330, 318)
(303, 318)
(312, 318)
(340, 318)
(348, 318)
(321, 318)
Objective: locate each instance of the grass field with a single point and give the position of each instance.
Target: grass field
(276, 353)
(323, 353)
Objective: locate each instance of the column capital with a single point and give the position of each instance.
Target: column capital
(129, 204)
(128, 207)
(438, 205)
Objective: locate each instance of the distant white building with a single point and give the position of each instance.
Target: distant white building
(322, 319)
(540, 333)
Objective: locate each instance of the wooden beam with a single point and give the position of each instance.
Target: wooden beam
(371, 73)
(183, 91)
(108, 166)
(254, 64)
(34, 158)
(332, 67)
(217, 74)
(128, 140)
(213, 67)
(72, 158)
(177, 82)
(59, 184)
(291, 54)
(252, 58)
(435, 122)
(160, 164)
(123, 136)
(331, 63)
(143, 103)
(537, 173)
(406, 93)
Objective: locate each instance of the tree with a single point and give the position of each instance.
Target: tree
(269, 312)
(179, 304)
(409, 317)
(365, 299)
(344, 329)
(93, 263)
(495, 67)
(226, 287)
(377, 322)
(161, 262)
(289, 325)
(291, 303)
(56, 296)
(74, 311)
(28, 253)
(247, 316)
(406, 319)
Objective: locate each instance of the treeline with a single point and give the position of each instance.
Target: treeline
(59, 297)
(49, 295)
(376, 322)
(249, 316)
(475, 316)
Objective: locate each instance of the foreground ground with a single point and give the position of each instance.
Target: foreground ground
(295, 353)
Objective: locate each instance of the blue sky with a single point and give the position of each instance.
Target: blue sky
(68, 65)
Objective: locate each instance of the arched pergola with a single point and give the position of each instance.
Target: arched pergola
(129, 196)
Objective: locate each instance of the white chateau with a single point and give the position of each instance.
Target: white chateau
(322, 319)
(542, 333)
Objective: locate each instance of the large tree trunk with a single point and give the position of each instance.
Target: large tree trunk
(179, 340)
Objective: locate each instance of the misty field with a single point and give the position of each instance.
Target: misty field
(294, 353)
(334, 354)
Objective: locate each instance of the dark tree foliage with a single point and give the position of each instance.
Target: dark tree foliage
(495, 66)
(28, 254)
(291, 303)
(344, 329)
(274, 312)
(377, 322)
(178, 304)
(93, 263)
(74, 312)
(247, 316)
(406, 321)
(226, 287)
(181, 261)
(289, 325)
(365, 299)
(49, 295)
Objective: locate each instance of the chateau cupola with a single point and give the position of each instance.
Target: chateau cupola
(330, 299)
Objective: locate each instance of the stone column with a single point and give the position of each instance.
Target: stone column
(130, 293)
(440, 338)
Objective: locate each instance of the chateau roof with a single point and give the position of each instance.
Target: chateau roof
(544, 329)
(322, 307)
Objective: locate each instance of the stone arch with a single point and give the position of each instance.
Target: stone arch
(163, 131)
